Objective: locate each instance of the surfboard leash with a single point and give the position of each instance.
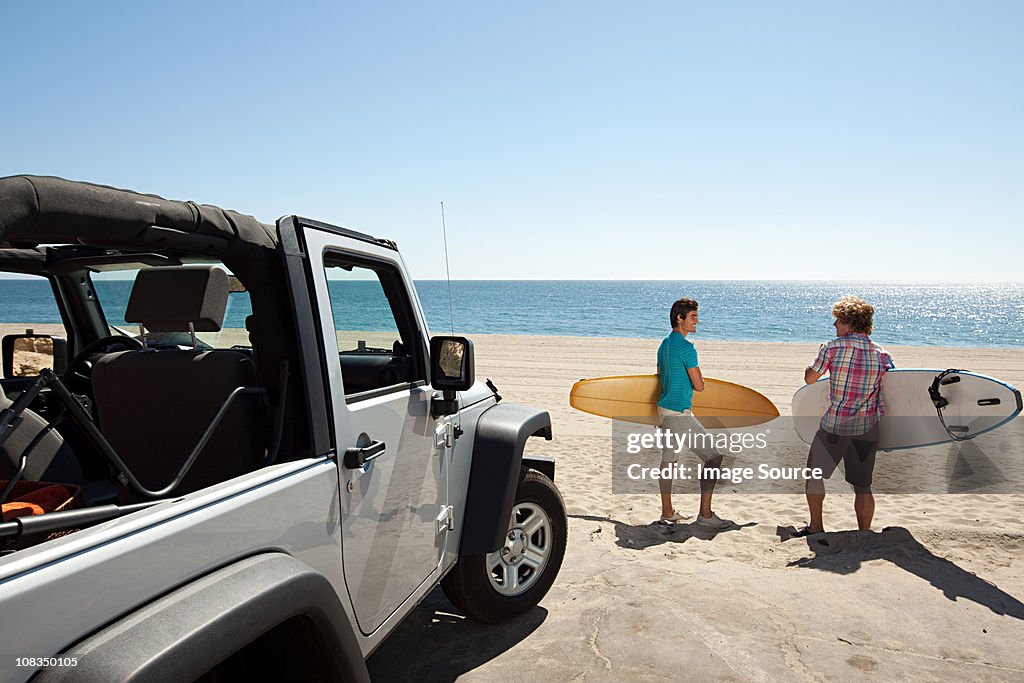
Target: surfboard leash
(940, 401)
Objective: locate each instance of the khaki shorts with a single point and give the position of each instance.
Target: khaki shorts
(699, 441)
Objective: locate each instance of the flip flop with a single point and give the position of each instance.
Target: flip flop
(672, 519)
(806, 531)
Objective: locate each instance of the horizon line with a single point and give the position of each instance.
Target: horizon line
(32, 276)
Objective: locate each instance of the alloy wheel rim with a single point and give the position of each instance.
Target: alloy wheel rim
(515, 567)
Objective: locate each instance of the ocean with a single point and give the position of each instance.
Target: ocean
(931, 314)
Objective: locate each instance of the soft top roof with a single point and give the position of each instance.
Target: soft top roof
(37, 210)
(45, 210)
(22, 260)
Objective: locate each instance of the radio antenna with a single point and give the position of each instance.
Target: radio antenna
(447, 271)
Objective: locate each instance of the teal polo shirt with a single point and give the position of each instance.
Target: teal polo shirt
(675, 356)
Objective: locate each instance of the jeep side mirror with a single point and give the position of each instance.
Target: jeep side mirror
(451, 363)
(25, 355)
(451, 369)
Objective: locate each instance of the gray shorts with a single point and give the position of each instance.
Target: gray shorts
(698, 440)
(856, 452)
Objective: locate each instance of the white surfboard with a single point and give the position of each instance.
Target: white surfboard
(976, 404)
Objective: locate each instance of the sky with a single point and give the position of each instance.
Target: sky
(568, 140)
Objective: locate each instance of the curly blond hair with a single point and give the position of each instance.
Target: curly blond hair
(855, 312)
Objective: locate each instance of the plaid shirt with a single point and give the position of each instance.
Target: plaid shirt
(856, 366)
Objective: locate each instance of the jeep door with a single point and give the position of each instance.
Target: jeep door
(376, 364)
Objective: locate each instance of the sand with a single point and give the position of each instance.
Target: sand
(934, 592)
(936, 595)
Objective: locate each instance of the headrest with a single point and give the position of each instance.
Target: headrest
(168, 299)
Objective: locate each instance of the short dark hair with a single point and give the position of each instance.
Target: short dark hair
(682, 307)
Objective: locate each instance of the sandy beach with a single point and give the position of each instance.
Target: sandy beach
(934, 592)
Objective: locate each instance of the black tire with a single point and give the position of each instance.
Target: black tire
(470, 586)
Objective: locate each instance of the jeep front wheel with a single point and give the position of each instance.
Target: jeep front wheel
(514, 578)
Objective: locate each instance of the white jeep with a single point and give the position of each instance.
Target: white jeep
(245, 456)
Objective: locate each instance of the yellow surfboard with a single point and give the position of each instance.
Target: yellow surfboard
(634, 398)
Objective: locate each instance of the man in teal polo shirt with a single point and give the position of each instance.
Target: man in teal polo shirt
(680, 377)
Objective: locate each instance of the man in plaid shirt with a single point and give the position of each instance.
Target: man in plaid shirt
(849, 428)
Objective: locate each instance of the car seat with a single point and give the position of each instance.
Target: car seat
(154, 405)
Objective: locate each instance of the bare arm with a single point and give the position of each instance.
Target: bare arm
(811, 376)
(696, 378)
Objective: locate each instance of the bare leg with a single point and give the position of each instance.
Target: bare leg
(819, 457)
(815, 503)
(665, 487)
(707, 487)
(864, 506)
(705, 502)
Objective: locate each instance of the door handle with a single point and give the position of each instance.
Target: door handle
(357, 457)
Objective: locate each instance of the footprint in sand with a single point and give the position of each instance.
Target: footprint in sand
(862, 662)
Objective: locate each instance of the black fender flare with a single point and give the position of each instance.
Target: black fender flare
(187, 632)
(545, 464)
(501, 434)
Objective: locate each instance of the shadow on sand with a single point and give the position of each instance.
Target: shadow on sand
(641, 536)
(843, 552)
(436, 642)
